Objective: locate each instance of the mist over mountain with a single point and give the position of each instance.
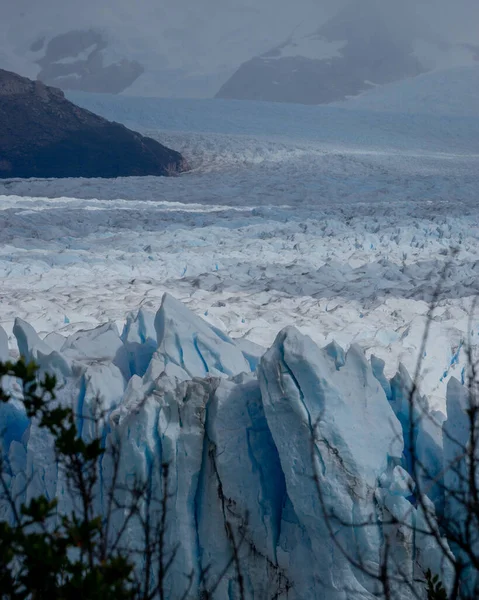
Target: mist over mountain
(365, 44)
(192, 48)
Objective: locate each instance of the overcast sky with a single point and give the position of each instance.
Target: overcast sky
(459, 18)
(448, 15)
(267, 19)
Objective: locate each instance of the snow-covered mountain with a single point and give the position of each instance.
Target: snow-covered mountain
(191, 48)
(148, 47)
(367, 43)
(239, 448)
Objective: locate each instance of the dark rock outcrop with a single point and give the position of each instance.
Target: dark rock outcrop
(42, 134)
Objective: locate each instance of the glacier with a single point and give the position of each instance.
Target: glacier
(340, 220)
(291, 448)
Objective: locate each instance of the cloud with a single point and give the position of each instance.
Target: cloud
(454, 20)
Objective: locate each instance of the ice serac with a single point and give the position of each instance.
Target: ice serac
(14, 424)
(251, 351)
(319, 417)
(28, 340)
(102, 344)
(139, 337)
(240, 450)
(242, 462)
(3, 345)
(422, 430)
(456, 439)
(158, 425)
(192, 344)
(456, 433)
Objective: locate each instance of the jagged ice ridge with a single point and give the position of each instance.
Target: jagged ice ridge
(239, 427)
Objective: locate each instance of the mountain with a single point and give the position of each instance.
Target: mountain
(365, 44)
(187, 48)
(190, 48)
(75, 61)
(44, 135)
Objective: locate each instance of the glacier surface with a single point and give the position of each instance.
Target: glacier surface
(342, 221)
(345, 221)
(308, 444)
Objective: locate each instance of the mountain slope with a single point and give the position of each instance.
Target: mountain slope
(148, 47)
(44, 135)
(190, 48)
(365, 44)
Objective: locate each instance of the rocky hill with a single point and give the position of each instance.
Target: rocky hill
(42, 134)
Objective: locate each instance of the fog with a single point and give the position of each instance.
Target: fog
(452, 18)
(456, 20)
(191, 47)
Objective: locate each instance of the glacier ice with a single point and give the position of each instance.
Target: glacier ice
(28, 340)
(102, 344)
(188, 342)
(422, 431)
(251, 351)
(274, 451)
(457, 436)
(139, 338)
(3, 345)
(317, 410)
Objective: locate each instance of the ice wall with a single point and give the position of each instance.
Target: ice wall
(293, 458)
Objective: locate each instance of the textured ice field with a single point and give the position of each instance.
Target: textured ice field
(341, 222)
